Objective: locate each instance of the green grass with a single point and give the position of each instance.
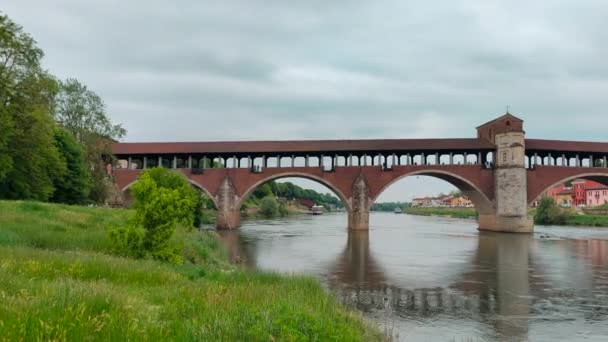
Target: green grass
(570, 218)
(586, 220)
(59, 281)
(450, 212)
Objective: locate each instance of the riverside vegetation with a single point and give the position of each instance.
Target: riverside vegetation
(60, 279)
(547, 213)
(450, 212)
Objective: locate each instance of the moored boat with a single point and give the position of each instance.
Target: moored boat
(317, 210)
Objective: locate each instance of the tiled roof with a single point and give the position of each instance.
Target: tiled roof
(301, 146)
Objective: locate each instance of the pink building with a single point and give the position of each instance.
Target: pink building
(597, 195)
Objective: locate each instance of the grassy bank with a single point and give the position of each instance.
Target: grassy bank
(566, 217)
(586, 220)
(59, 281)
(449, 212)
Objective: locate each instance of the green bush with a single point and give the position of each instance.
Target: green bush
(283, 211)
(269, 207)
(162, 200)
(549, 213)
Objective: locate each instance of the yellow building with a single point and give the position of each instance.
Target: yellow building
(563, 198)
(461, 201)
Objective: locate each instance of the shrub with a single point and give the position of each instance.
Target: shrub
(549, 213)
(269, 207)
(283, 210)
(162, 200)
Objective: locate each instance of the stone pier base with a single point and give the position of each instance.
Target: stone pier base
(228, 220)
(358, 220)
(506, 224)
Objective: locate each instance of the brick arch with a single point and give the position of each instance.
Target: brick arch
(192, 182)
(480, 197)
(336, 189)
(544, 178)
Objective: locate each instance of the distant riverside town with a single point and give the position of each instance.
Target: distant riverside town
(443, 201)
(579, 193)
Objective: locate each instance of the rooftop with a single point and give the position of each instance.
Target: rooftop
(301, 146)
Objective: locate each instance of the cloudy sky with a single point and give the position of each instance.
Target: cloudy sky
(233, 70)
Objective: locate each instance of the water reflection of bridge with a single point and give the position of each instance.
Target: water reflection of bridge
(496, 286)
(503, 285)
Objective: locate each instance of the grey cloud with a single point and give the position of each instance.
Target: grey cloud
(219, 70)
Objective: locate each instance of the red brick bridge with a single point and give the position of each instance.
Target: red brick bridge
(500, 170)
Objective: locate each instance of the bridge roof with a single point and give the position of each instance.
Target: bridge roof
(300, 146)
(566, 146)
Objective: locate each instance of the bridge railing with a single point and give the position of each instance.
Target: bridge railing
(566, 160)
(258, 163)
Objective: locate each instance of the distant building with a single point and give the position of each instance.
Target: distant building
(445, 201)
(556, 190)
(579, 191)
(563, 198)
(577, 194)
(306, 202)
(421, 202)
(461, 202)
(596, 195)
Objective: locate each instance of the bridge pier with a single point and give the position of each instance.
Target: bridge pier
(228, 219)
(358, 215)
(506, 224)
(358, 220)
(228, 215)
(510, 185)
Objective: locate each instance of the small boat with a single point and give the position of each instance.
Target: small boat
(397, 211)
(317, 210)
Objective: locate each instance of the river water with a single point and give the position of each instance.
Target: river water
(438, 279)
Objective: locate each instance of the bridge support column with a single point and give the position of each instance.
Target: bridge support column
(228, 216)
(510, 182)
(358, 215)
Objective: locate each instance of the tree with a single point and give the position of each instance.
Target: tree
(262, 191)
(73, 187)
(19, 56)
(82, 112)
(29, 160)
(6, 127)
(269, 207)
(163, 199)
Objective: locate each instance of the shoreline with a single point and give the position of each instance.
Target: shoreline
(570, 219)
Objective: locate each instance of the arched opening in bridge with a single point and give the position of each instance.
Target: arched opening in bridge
(289, 195)
(433, 192)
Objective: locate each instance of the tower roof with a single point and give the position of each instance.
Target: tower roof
(507, 117)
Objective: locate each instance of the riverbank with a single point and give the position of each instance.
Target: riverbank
(566, 218)
(60, 281)
(586, 220)
(447, 212)
(252, 212)
(571, 217)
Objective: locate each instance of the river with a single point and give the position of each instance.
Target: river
(437, 279)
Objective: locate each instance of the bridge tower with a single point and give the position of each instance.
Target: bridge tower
(510, 176)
